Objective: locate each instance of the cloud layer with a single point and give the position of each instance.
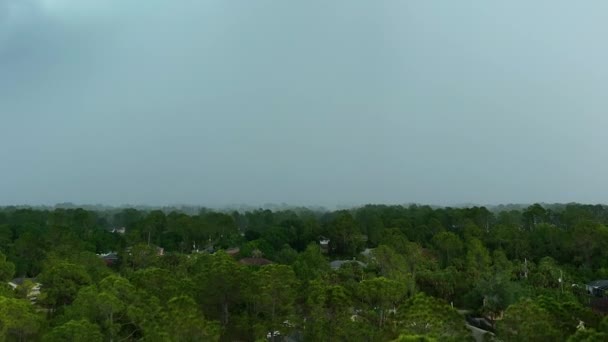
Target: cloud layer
(320, 102)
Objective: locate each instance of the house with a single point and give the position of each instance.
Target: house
(34, 290)
(119, 230)
(109, 258)
(336, 264)
(597, 288)
(324, 244)
(598, 295)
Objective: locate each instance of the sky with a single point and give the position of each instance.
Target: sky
(328, 103)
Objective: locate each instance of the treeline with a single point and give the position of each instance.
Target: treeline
(524, 270)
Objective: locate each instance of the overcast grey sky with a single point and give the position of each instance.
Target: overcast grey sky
(308, 103)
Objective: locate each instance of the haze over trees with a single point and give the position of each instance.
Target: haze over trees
(407, 273)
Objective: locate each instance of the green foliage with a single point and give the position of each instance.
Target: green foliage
(345, 236)
(472, 258)
(567, 312)
(415, 338)
(311, 264)
(183, 321)
(18, 320)
(526, 320)
(7, 269)
(430, 317)
(220, 285)
(327, 308)
(62, 280)
(274, 296)
(75, 331)
(379, 296)
(493, 294)
(449, 245)
(478, 259)
(588, 335)
(157, 282)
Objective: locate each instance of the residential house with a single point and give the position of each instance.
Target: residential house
(597, 288)
(598, 300)
(324, 244)
(119, 230)
(110, 258)
(33, 291)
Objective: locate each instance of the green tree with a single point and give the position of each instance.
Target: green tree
(588, 335)
(478, 259)
(61, 282)
(119, 309)
(101, 307)
(344, 234)
(18, 320)
(527, 321)
(426, 316)
(7, 269)
(548, 275)
(391, 264)
(274, 298)
(589, 243)
(311, 264)
(75, 331)
(184, 322)
(415, 338)
(220, 285)
(381, 295)
(158, 282)
(327, 308)
(567, 312)
(449, 245)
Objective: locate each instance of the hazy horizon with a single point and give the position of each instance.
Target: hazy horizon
(310, 104)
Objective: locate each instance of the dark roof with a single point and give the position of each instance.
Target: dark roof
(255, 261)
(109, 256)
(600, 284)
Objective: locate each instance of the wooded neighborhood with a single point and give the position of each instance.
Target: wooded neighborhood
(373, 273)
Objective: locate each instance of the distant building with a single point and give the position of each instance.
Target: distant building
(33, 292)
(598, 300)
(597, 288)
(119, 230)
(109, 258)
(324, 244)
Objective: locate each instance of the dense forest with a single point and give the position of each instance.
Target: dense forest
(374, 273)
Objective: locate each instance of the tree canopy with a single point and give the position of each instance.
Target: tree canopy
(383, 273)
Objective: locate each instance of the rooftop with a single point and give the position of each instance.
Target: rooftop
(600, 284)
